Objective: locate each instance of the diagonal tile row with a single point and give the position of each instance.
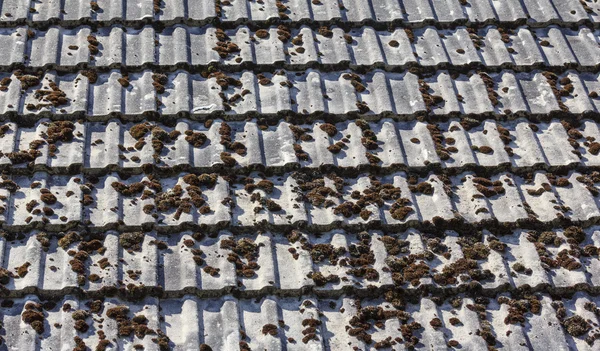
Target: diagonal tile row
(97, 148)
(181, 46)
(330, 264)
(319, 203)
(336, 94)
(384, 12)
(189, 323)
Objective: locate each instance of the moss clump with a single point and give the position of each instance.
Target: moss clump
(300, 133)
(326, 32)
(435, 323)
(102, 345)
(356, 82)
(485, 150)
(148, 209)
(81, 326)
(321, 280)
(455, 321)
(91, 246)
(262, 33)
(60, 131)
(266, 185)
(27, 81)
(93, 44)
(4, 83)
(321, 252)
(477, 251)
(91, 75)
(208, 179)
(362, 107)
(227, 159)
(23, 269)
(369, 141)
(422, 188)
(23, 156)
(225, 46)
(365, 214)
(594, 148)
(80, 315)
(68, 239)
(329, 128)
(191, 179)
(159, 81)
(132, 241)
(47, 197)
(128, 190)
(373, 160)
(103, 263)
(562, 182)
(262, 80)
(575, 233)
(400, 209)
(548, 238)
(461, 266)
(5, 276)
(347, 209)
(196, 139)
(336, 148)
(34, 316)
(78, 262)
(518, 267)
(126, 326)
(212, 271)
(244, 255)
(576, 325)
(270, 329)
(124, 81)
(487, 187)
(139, 130)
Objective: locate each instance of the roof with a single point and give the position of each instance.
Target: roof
(299, 175)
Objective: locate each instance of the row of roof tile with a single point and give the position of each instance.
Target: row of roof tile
(275, 323)
(352, 11)
(395, 201)
(330, 264)
(336, 94)
(179, 46)
(98, 147)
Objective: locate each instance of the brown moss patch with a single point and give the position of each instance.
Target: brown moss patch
(576, 325)
(227, 159)
(326, 32)
(262, 33)
(225, 46)
(59, 131)
(244, 255)
(321, 280)
(54, 96)
(27, 80)
(68, 239)
(329, 128)
(23, 269)
(159, 80)
(196, 139)
(33, 315)
(270, 329)
(132, 241)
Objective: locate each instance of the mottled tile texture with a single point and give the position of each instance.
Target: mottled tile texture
(299, 175)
